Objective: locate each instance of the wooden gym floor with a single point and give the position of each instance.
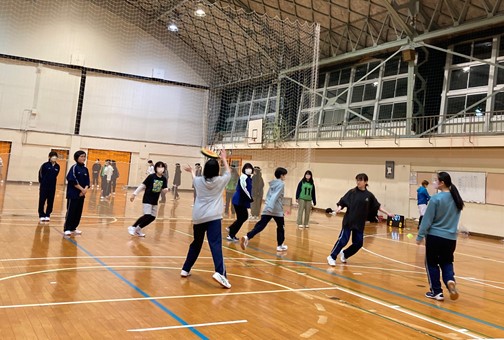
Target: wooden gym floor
(106, 284)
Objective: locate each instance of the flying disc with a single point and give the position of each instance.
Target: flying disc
(209, 153)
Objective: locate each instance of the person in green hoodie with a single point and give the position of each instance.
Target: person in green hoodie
(305, 195)
(273, 209)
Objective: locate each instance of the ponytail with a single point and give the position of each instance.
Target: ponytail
(445, 177)
(456, 197)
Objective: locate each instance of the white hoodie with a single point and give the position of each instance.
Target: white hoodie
(208, 204)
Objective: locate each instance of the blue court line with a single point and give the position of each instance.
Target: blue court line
(141, 292)
(388, 291)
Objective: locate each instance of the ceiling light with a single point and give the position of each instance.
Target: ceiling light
(172, 27)
(199, 11)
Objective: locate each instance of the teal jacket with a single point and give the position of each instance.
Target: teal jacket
(441, 217)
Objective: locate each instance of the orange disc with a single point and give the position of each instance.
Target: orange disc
(209, 153)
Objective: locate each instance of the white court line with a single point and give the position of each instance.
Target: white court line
(186, 326)
(473, 280)
(82, 302)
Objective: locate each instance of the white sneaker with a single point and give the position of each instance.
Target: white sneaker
(67, 233)
(42, 219)
(283, 247)
(452, 288)
(138, 232)
(131, 230)
(331, 261)
(244, 242)
(76, 232)
(300, 226)
(47, 219)
(183, 273)
(222, 280)
(342, 257)
(307, 226)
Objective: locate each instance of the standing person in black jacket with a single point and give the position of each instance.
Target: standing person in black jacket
(96, 169)
(77, 186)
(47, 176)
(115, 176)
(358, 201)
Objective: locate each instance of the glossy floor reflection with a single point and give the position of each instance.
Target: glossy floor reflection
(107, 284)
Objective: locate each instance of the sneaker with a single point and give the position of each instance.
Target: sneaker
(307, 226)
(138, 232)
(342, 257)
(283, 247)
(47, 219)
(76, 232)
(232, 239)
(331, 261)
(244, 242)
(300, 226)
(67, 233)
(222, 280)
(42, 219)
(438, 296)
(131, 230)
(452, 287)
(183, 273)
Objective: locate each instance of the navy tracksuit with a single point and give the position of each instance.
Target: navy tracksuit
(47, 176)
(78, 174)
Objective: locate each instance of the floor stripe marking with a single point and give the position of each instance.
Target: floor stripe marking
(186, 326)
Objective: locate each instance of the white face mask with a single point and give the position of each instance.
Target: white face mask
(435, 185)
(248, 171)
(160, 171)
(54, 159)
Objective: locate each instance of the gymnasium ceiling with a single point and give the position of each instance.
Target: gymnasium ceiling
(347, 27)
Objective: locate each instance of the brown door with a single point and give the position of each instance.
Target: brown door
(122, 159)
(63, 163)
(5, 149)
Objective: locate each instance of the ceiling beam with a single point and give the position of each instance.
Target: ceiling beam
(397, 19)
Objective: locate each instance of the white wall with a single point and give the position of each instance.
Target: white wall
(334, 172)
(83, 33)
(30, 149)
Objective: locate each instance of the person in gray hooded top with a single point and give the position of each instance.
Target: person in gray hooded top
(273, 209)
(207, 216)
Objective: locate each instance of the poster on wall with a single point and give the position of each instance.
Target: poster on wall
(413, 178)
(389, 169)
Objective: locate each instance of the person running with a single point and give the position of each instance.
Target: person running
(439, 228)
(153, 185)
(47, 177)
(305, 195)
(241, 201)
(423, 198)
(77, 186)
(207, 217)
(273, 209)
(358, 201)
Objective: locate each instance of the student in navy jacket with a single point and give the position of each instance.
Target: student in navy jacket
(47, 176)
(241, 201)
(77, 186)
